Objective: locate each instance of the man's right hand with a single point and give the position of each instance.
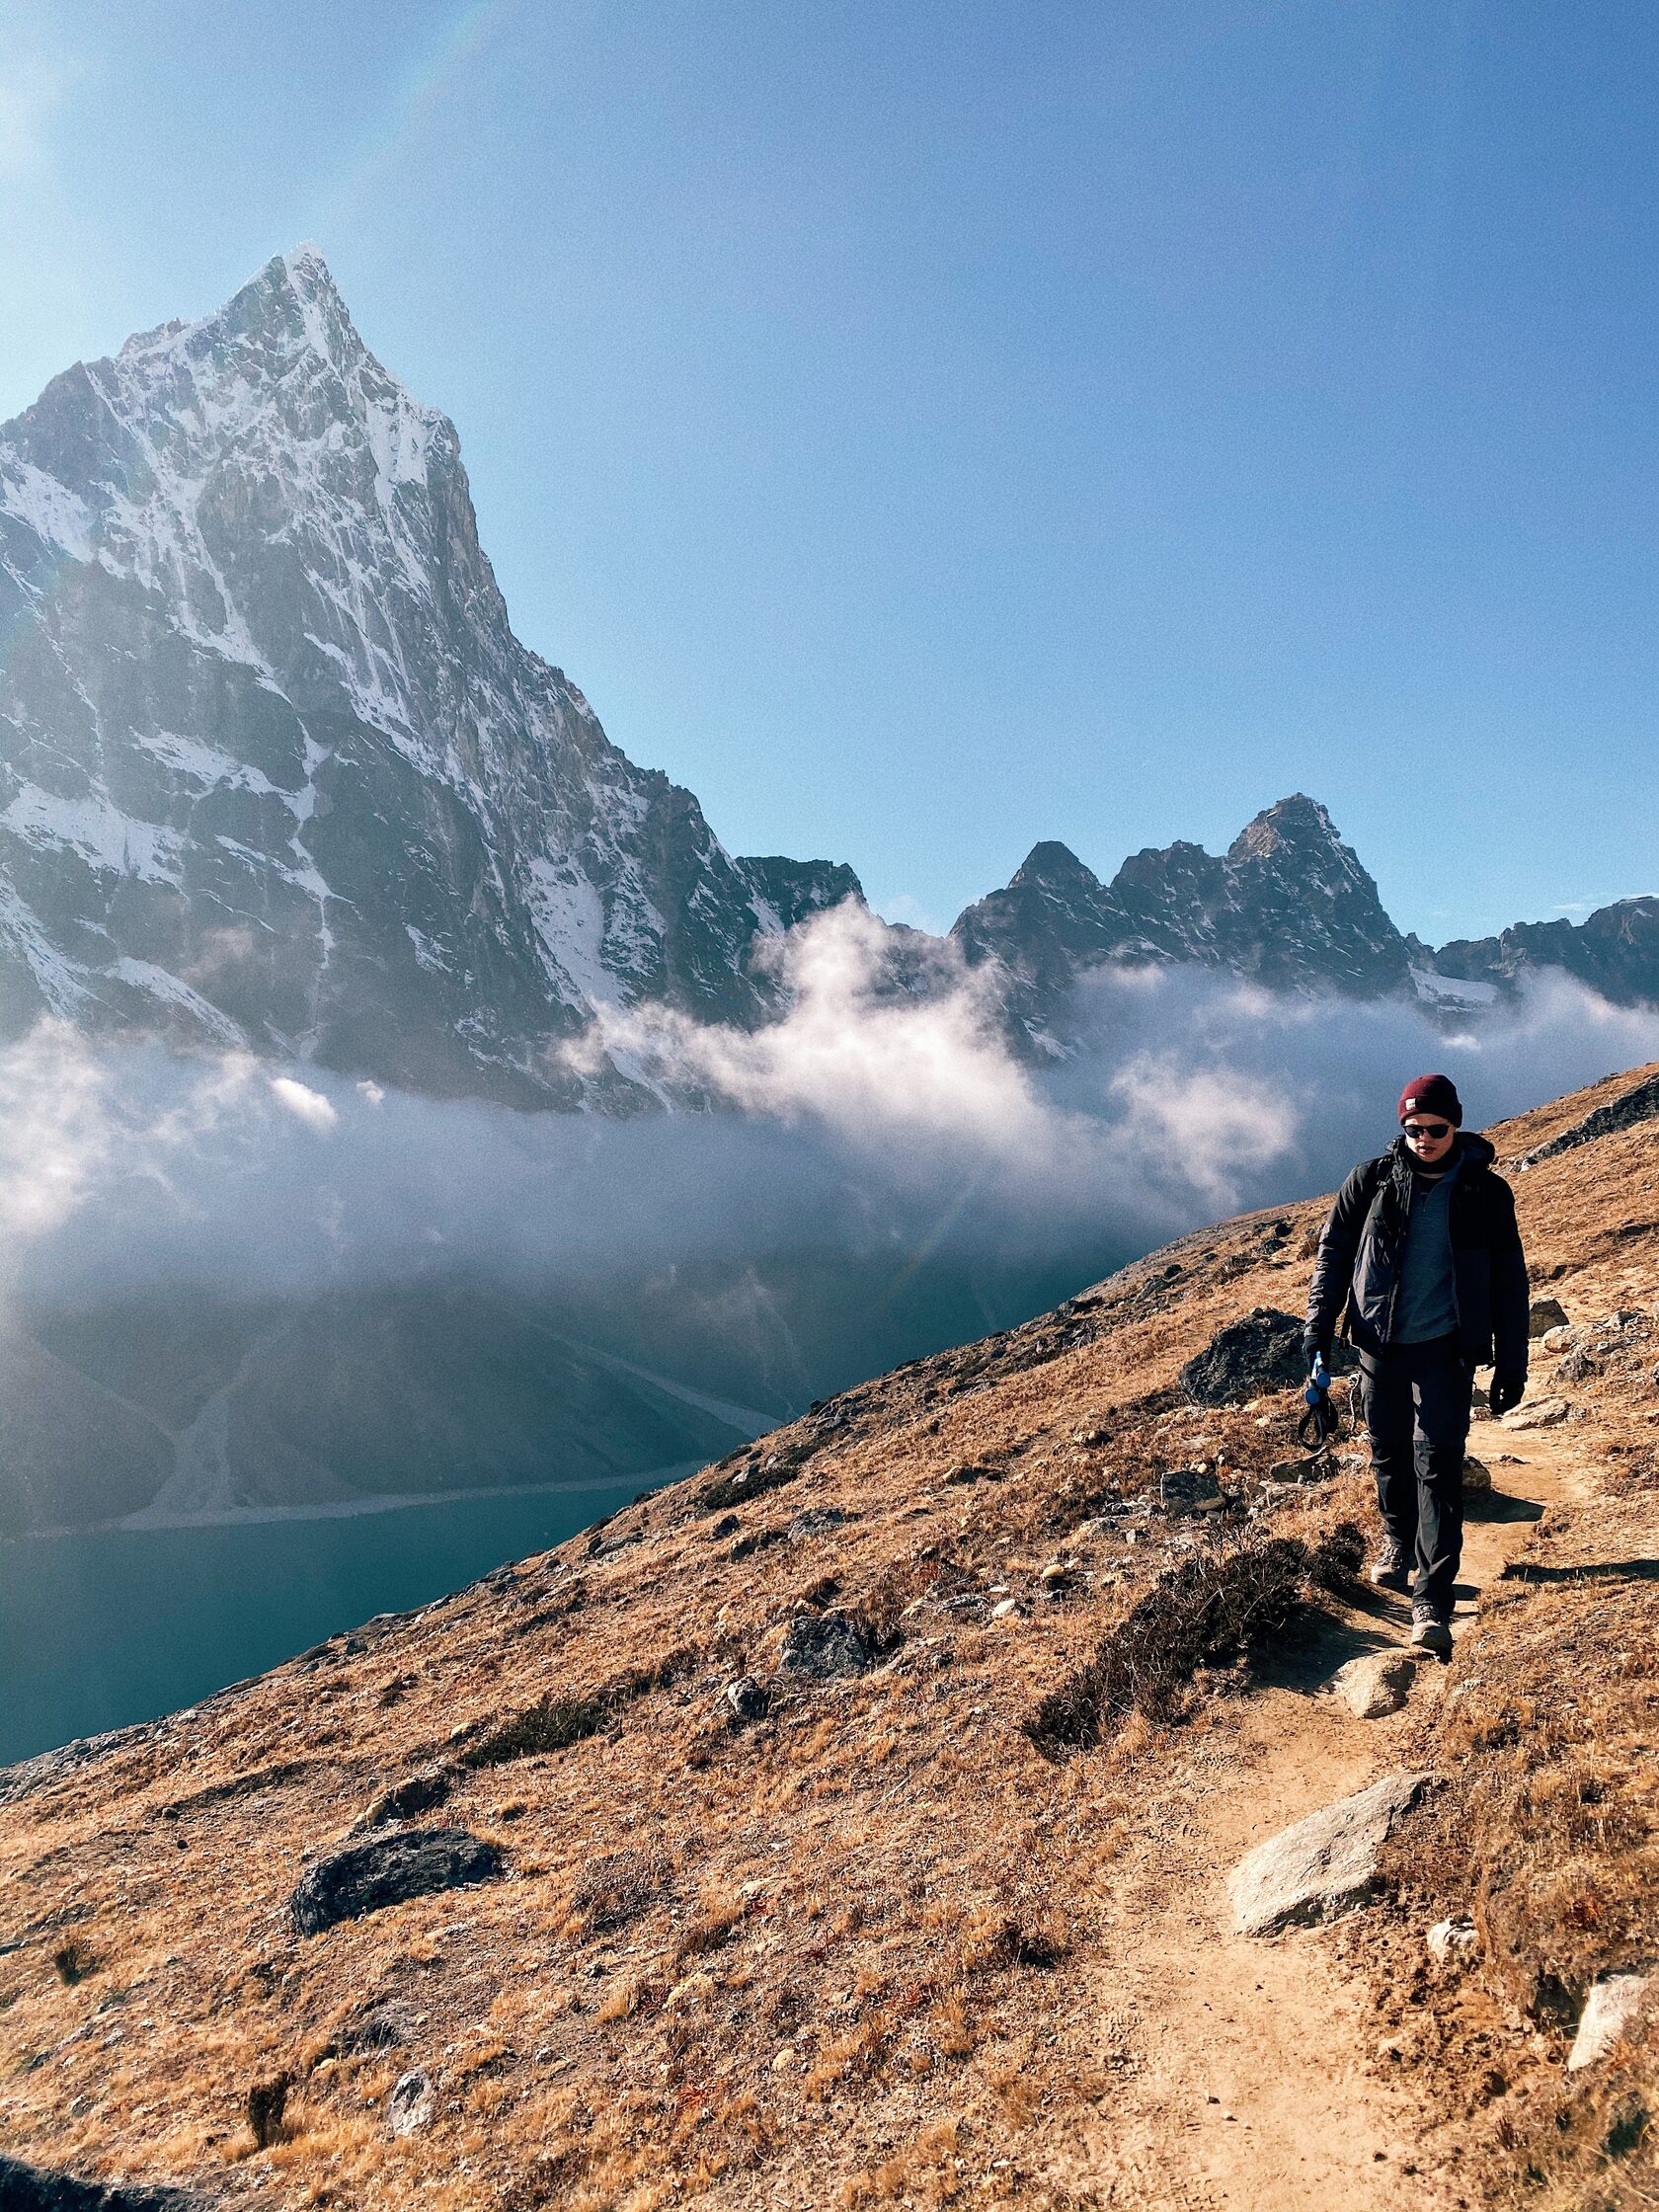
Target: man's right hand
(1505, 1392)
(1315, 1348)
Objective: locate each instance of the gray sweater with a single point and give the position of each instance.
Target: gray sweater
(1427, 1304)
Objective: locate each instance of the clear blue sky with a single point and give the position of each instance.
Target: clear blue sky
(923, 429)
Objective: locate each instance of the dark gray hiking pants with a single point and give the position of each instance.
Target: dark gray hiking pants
(1416, 1398)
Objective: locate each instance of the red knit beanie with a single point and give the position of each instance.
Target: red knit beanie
(1432, 1094)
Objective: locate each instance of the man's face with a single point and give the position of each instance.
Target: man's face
(1429, 1136)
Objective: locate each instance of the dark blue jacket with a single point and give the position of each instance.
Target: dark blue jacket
(1356, 1277)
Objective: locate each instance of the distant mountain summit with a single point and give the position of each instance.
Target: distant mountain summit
(1288, 906)
(274, 769)
(275, 772)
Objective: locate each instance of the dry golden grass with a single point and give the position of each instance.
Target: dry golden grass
(846, 1953)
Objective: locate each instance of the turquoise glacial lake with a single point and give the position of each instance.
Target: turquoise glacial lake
(116, 1625)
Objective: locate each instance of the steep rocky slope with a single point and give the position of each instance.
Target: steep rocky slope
(275, 771)
(848, 1824)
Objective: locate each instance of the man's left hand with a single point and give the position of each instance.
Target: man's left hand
(1508, 1388)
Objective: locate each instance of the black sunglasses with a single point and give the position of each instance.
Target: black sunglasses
(1435, 1129)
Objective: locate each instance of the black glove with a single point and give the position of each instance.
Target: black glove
(1507, 1388)
(1315, 1347)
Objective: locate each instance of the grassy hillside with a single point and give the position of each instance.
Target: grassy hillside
(860, 1807)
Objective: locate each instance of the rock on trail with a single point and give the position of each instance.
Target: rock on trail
(1324, 1866)
(1376, 1682)
(1611, 2011)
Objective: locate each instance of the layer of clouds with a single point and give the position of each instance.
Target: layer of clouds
(869, 1127)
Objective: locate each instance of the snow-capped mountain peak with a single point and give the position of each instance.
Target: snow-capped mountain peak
(273, 768)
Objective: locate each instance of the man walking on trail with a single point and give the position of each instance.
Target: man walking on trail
(1420, 1260)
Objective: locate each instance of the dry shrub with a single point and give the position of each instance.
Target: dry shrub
(620, 1889)
(1001, 1940)
(933, 1576)
(1205, 1610)
(1334, 1562)
(74, 1961)
(923, 2172)
(266, 2103)
(622, 2000)
(554, 1722)
(949, 2028)
(719, 1915)
(755, 1478)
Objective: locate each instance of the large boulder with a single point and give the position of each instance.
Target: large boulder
(386, 1870)
(1611, 2011)
(1262, 1352)
(1323, 1867)
(825, 1645)
(35, 2188)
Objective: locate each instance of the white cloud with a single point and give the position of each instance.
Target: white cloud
(856, 1052)
(307, 1105)
(55, 1131)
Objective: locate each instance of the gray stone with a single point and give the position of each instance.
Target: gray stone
(1610, 2010)
(1260, 1352)
(1376, 1682)
(824, 1645)
(37, 2189)
(1558, 1339)
(1547, 1313)
(745, 1698)
(1189, 1490)
(412, 2104)
(1323, 1867)
(1320, 1468)
(1542, 1413)
(387, 1869)
(817, 1521)
(1478, 1475)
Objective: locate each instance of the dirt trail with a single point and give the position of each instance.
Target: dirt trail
(1240, 2059)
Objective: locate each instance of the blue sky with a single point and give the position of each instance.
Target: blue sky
(924, 429)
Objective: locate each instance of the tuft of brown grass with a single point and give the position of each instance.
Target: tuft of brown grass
(926, 2171)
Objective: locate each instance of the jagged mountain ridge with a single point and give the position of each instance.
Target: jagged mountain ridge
(1288, 906)
(276, 771)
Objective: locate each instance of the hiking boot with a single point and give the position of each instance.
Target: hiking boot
(1392, 1568)
(1429, 1632)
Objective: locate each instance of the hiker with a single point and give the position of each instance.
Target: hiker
(1421, 1261)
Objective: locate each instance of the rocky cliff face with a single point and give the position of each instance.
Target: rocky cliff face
(1615, 950)
(273, 768)
(1288, 906)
